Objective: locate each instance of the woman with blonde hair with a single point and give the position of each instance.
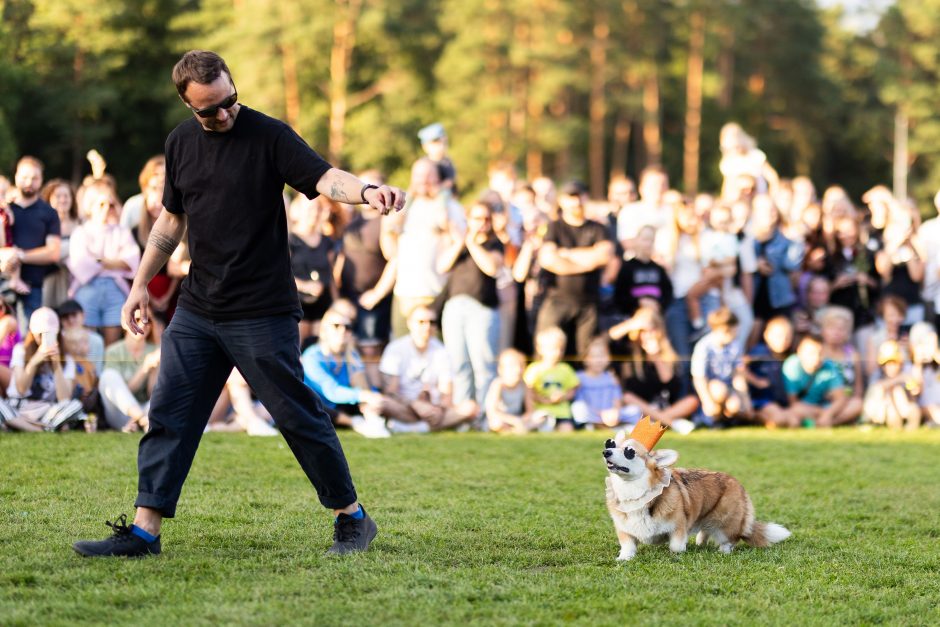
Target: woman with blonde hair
(740, 156)
(654, 378)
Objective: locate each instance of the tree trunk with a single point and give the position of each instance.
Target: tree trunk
(344, 41)
(598, 104)
(618, 157)
(726, 67)
(652, 139)
(693, 108)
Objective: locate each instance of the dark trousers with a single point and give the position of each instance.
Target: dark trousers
(577, 319)
(197, 356)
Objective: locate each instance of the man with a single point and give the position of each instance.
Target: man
(418, 381)
(334, 370)
(36, 236)
(574, 252)
(225, 171)
(415, 238)
(650, 209)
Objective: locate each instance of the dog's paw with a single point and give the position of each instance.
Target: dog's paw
(726, 548)
(626, 556)
(701, 538)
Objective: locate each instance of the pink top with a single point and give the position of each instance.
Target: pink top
(91, 242)
(6, 347)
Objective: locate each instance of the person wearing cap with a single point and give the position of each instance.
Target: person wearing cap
(574, 252)
(434, 143)
(334, 370)
(39, 396)
(891, 399)
(226, 168)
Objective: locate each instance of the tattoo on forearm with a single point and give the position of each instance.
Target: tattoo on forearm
(162, 242)
(336, 190)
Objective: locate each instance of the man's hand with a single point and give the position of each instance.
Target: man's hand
(134, 312)
(385, 198)
(369, 299)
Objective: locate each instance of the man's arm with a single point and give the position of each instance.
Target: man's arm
(590, 257)
(164, 237)
(344, 187)
(50, 253)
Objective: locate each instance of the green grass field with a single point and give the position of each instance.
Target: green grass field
(473, 528)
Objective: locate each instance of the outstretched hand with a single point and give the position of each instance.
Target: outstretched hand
(385, 198)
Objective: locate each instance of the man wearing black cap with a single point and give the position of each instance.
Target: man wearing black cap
(574, 253)
(226, 168)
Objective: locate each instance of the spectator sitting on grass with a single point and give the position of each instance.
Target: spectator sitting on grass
(718, 370)
(552, 383)
(85, 383)
(418, 383)
(236, 410)
(40, 393)
(127, 381)
(765, 374)
(889, 326)
(891, 401)
(72, 316)
(836, 332)
(334, 370)
(925, 370)
(654, 380)
(9, 338)
(815, 387)
(598, 400)
(508, 409)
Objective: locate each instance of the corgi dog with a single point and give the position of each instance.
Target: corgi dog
(651, 502)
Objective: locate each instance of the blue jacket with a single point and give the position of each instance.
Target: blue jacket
(785, 256)
(329, 377)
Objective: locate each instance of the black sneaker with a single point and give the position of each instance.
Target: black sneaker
(351, 535)
(123, 543)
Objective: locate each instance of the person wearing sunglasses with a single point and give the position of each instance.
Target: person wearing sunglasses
(226, 168)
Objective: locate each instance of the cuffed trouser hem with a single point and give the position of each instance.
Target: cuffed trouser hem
(166, 507)
(338, 502)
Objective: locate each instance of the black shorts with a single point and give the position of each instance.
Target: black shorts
(374, 326)
(578, 426)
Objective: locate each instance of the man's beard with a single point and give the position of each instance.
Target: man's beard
(28, 194)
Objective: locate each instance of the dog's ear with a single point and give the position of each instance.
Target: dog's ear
(665, 457)
(620, 437)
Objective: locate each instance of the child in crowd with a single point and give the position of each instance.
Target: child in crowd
(925, 369)
(718, 370)
(889, 326)
(891, 401)
(13, 280)
(719, 250)
(507, 409)
(598, 399)
(552, 384)
(814, 386)
(765, 374)
(836, 331)
(85, 384)
(642, 281)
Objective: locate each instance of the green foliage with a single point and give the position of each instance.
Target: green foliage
(473, 529)
(511, 80)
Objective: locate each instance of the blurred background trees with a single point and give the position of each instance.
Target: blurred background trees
(564, 88)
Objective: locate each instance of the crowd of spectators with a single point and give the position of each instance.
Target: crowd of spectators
(524, 308)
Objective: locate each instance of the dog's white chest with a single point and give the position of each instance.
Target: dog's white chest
(643, 527)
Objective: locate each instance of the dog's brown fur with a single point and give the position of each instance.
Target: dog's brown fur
(714, 504)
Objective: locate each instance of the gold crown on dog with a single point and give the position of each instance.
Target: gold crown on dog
(647, 432)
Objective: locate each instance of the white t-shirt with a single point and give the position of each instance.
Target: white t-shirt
(426, 221)
(752, 163)
(718, 246)
(416, 371)
(685, 266)
(636, 215)
(43, 388)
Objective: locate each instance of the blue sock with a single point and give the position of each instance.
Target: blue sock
(359, 515)
(140, 533)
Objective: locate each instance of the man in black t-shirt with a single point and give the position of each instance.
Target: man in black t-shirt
(574, 252)
(225, 171)
(36, 237)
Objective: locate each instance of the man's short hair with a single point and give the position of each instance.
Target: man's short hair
(722, 318)
(573, 188)
(30, 160)
(813, 338)
(199, 66)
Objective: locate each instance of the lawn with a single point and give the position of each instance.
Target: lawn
(473, 528)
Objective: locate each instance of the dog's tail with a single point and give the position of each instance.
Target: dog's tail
(764, 534)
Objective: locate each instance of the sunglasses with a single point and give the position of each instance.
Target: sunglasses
(340, 325)
(211, 112)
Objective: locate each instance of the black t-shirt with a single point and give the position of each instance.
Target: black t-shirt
(641, 279)
(31, 226)
(466, 278)
(584, 287)
(861, 300)
(651, 389)
(230, 186)
(364, 260)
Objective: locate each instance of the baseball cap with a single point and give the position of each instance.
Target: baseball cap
(69, 307)
(432, 133)
(44, 320)
(889, 351)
